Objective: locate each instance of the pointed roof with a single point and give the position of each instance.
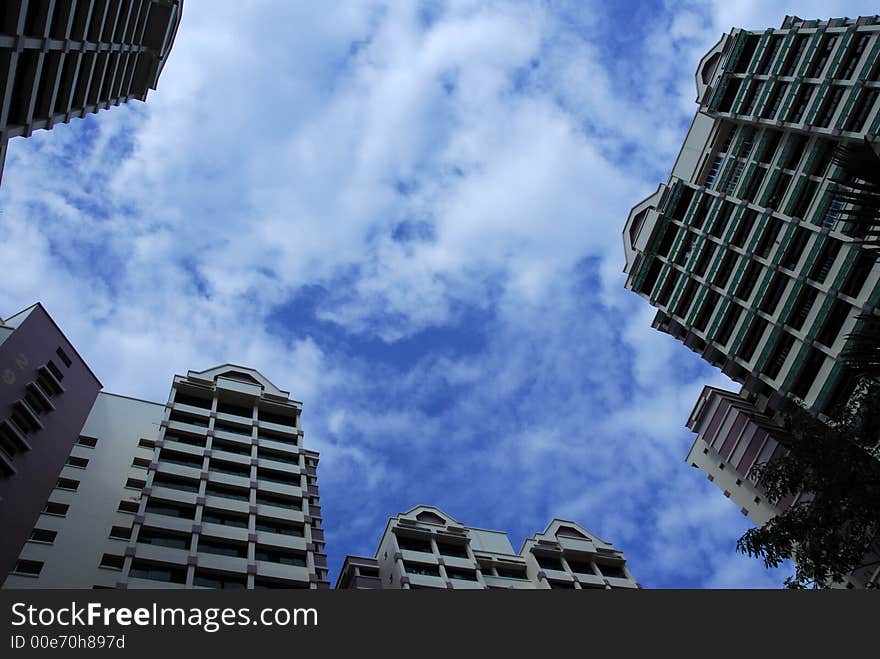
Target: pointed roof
(240, 373)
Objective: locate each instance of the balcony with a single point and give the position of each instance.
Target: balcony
(225, 503)
(465, 584)
(506, 582)
(420, 557)
(279, 488)
(170, 523)
(162, 554)
(589, 579)
(457, 562)
(281, 540)
(171, 494)
(152, 584)
(226, 532)
(282, 571)
(222, 563)
(426, 581)
(286, 514)
(187, 427)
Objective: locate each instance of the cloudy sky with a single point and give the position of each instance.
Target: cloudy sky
(410, 216)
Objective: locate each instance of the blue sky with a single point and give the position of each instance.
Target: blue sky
(410, 216)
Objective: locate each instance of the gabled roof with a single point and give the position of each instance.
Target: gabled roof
(415, 512)
(241, 373)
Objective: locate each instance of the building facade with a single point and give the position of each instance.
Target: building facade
(212, 489)
(66, 58)
(46, 393)
(742, 251)
(425, 548)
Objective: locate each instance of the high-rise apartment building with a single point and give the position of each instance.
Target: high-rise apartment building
(46, 393)
(212, 489)
(426, 548)
(744, 251)
(67, 58)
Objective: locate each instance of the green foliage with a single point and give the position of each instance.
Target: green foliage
(833, 528)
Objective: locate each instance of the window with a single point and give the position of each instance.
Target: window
(222, 547)
(771, 106)
(128, 506)
(511, 572)
(237, 410)
(725, 269)
(241, 431)
(183, 438)
(858, 274)
(773, 293)
(853, 55)
(120, 532)
(769, 54)
(859, 114)
(820, 57)
(794, 55)
(231, 447)
(54, 370)
(141, 462)
(768, 237)
(63, 357)
(581, 567)
(410, 543)
(747, 283)
(67, 484)
(219, 580)
(193, 419)
(733, 178)
(176, 482)
(802, 307)
(795, 248)
(548, 562)
(227, 492)
(778, 356)
(162, 538)
(58, 509)
(225, 518)
(744, 227)
(146, 443)
(277, 416)
(278, 456)
(274, 476)
(112, 561)
(170, 509)
(193, 400)
(141, 569)
(278, 526)
(795, 148)
(712, 172)
(279, 500)
(277, 555)
(829, 106)
(179, 458)
(706, 255)
(827, 256)
(30, 568)
(461, 574)
(449, 549)
(231, 468)
(751, 98)
(84, 440)
(135, 483)
(611, 570)
(800, 103)
(837, 315)
(423, 569)
(43, 535)
(729, 321)
(561, 585)
(753, 336)
(79, 463)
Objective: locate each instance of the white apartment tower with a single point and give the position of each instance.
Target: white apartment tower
(211, 490)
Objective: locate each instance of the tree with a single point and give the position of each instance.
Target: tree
(833, 470)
